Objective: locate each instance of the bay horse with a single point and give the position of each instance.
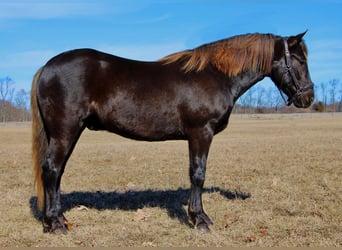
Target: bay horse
(188, 95)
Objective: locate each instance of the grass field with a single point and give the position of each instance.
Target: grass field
(272, 180)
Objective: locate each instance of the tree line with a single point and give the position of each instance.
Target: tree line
(14, 104)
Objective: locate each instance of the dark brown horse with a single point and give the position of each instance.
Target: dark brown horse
(184, 96)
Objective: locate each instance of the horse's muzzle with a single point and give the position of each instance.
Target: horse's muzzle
(304, 99)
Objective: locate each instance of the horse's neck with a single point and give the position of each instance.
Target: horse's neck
(244, 81)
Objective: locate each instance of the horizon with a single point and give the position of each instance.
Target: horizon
(35, 31)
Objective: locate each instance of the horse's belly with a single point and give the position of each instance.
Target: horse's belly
(138, 124)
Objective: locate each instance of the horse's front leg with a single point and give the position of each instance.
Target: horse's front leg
(199, 143)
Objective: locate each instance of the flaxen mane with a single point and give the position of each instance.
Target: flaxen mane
(231, 56)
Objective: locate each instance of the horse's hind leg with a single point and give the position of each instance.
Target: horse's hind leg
(59, 150)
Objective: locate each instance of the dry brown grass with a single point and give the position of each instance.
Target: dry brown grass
(119, 192)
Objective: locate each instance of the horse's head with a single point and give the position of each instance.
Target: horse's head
(290, 71)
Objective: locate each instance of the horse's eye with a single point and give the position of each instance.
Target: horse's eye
(300, 60)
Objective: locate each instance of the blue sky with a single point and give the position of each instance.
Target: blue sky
(31, 32)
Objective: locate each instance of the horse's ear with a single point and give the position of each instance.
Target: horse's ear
(294, 40)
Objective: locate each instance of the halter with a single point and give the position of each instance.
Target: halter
(289, 69)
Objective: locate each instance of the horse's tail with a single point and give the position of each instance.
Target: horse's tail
(39, 142)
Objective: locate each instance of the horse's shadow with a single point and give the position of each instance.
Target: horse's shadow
(171, 200)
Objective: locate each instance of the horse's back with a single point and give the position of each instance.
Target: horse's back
(106, 92)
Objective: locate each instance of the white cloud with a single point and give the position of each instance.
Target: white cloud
(325, 59)
(325, 43)
(44, 9)
(35, 58)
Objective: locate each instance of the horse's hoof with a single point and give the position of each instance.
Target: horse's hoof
(60, 231)
(60, 226)
(55, 230)
(203, 228)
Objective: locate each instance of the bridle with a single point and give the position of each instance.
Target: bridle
(289, 69)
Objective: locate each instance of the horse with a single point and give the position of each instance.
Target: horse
(187, 95)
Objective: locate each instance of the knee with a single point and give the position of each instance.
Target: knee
(49, 170)
(198, 176)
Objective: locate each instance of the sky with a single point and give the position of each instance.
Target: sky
(33, 31)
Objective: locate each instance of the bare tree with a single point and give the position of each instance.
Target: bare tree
(20, 101)
(6, 96)
(339, 108)
(247, 100)
(13, 105)
(260, 98)
(6, 89)
(324, 94)
(273, 98)
(333, 92)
